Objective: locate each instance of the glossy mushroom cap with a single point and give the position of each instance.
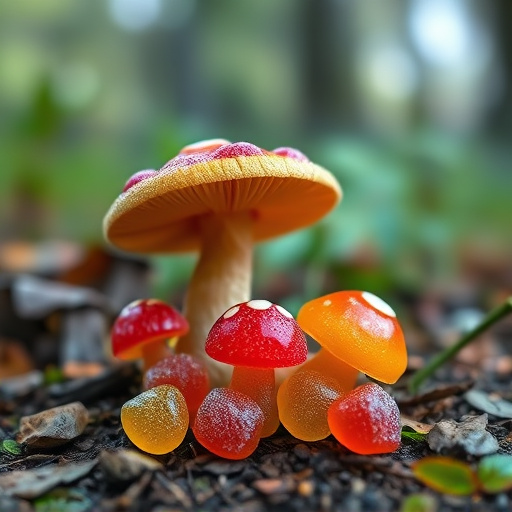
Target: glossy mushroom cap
(360, 329)
(143, 322)
(282, 191)
(257, 334)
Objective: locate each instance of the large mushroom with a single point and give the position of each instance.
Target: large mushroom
(219, 198)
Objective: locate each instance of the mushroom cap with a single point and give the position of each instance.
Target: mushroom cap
(157, 212)
(257, 334)
(144, 322)
(360, 329)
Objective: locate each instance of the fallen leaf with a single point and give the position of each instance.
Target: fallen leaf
(446, 475)
(495, 473)
(468, 435)
(482, 401)
(53, 427)
(30, 484)
(63, 500)
(421, 428)
(10, 447)
(419, 503)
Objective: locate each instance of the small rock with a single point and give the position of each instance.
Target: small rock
(302, 451)
(469, 435)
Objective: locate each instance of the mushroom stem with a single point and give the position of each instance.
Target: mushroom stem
(152, 353)
(327, 364)
(260, 385)
(221, 279)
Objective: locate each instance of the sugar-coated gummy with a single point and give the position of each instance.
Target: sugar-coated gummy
(303, 400)
(228, 423)
(187, 372)
(366, 420)
(156, 421)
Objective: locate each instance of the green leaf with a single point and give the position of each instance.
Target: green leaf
(446, 475)
(63, 500)
(495, 473)
(408, 433)
(419, 503)
(10, 446)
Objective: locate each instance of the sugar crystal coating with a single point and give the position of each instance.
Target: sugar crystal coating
(184, 371)
(156, 421)
(237, 149)
(257, 334)
(228, 423)
(138, 176)
(291, 153)
(366, 420)
(303, 400)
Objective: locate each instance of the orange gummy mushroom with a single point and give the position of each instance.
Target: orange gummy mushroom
(358, 328)
(219, 198)
(185, 372)
(141, 329)
(229, 424)
(256, 337)
(366, 420)
(156, 421)
(357, 331)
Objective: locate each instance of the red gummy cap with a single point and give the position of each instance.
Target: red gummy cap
(142, 322)
(257, 334)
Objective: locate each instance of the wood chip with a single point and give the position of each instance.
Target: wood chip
(126, 465)
(436, 394)
(53, 427)
(30, 484)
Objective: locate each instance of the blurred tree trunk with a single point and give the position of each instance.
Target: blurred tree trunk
(328, 91)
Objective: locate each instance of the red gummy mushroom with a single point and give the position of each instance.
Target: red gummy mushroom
(141, 329)
(256, 337)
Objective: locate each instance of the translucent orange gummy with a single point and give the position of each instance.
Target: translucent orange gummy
(303, 400)
(156, 421)
(359, 328)
(366, 420)
(260, 385)
(187, 372)
(228, 423)
(326, 364)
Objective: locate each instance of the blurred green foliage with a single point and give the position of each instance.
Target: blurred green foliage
(91, 92)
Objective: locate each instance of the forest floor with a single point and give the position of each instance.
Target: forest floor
(101, 470)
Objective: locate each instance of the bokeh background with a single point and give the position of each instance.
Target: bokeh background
(408, 103)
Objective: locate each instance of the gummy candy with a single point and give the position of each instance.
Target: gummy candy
(142, 327)
(360, 329)
(303, 399)
(366, 420)
(228, 423)
(328, 365)
(184, 371)
(259, 384)
(256, 337)
(156, 421)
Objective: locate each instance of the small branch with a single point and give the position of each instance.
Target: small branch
(448, 353)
